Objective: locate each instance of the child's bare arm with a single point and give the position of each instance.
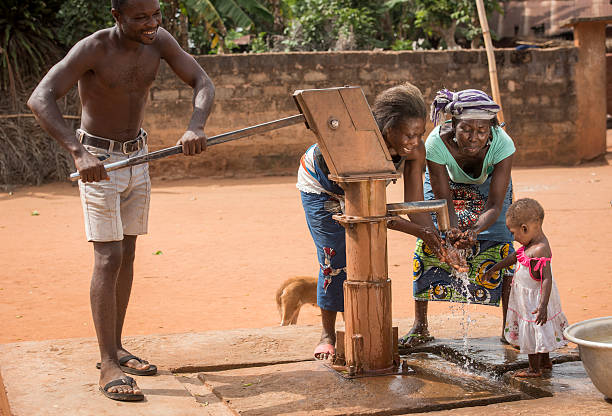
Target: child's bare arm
(539, 251)
(507, 261)
(541, 312)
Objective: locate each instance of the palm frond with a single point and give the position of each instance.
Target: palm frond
(204, 11)
(255, 8)
(390, 4)
(231, 10)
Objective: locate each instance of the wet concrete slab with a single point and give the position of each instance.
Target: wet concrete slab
(487, 354)
(566, 377)
(311, 388)
(567, 390)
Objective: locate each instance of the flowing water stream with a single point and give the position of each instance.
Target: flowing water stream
(462, 309)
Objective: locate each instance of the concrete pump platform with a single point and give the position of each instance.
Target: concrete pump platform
(270, 371)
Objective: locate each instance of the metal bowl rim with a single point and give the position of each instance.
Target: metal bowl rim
(584, 342)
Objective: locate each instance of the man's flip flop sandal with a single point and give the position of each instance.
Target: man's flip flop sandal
(124, 397)
(129, 370)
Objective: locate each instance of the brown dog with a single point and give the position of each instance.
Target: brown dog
(294, 293)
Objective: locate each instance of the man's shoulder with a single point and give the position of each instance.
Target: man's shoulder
(95, 43)
(100, 37)
(166, 42)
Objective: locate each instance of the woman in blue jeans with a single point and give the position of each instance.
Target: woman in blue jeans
(400, 113)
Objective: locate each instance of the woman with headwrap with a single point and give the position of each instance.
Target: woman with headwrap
(469, 159)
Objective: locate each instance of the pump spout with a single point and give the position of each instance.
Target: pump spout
(439, 206)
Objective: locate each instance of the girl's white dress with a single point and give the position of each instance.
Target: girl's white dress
(521, 329)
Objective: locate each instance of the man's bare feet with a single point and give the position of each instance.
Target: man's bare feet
(504, 341)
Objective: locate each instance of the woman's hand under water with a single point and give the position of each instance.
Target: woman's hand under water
(455, 258)
(445, 252)
(461, 239)
(432, 239)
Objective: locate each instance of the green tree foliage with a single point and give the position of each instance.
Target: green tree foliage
(28, 38)
(244, 13)
(399, 27)
(442, 18)
(201, 26)
(469, 22)
(80, 18)
(333, 24)
(27, 41)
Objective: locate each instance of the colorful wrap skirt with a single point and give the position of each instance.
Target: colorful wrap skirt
(433, 279)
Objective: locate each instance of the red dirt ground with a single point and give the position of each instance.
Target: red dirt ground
(227, 244)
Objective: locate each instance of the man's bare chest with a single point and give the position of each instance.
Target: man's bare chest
(127, 76)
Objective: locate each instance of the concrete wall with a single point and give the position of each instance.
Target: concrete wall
(538, 96)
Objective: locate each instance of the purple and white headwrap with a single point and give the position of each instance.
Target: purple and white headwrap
(466, 104)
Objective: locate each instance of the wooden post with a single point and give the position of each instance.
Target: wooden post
(486, 33)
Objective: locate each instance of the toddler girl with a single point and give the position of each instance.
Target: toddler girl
(534, 321)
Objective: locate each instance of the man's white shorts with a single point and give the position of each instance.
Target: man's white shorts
(119, 206)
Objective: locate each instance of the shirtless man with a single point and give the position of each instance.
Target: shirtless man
(114, 69)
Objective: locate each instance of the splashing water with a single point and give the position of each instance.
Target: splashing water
(463, 283)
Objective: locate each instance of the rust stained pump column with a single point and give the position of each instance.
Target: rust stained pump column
(369, 339)
(358, 159)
